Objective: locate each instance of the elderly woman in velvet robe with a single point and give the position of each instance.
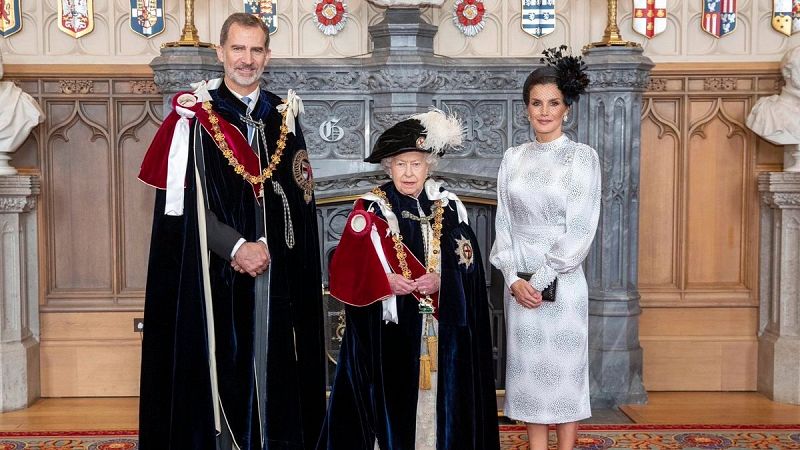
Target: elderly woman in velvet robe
(409, 270)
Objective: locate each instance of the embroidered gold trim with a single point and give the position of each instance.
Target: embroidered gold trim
(433, 259)
(219, 138)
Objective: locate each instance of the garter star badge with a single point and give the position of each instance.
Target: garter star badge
(147, 17)
(786, 16)
(719, 17)
(266, 10)
(330, 16)
(76, 17)
(10, 18)
(649, 17)
(303, 174)
(468, 16)
(464, 251)
(538, 17)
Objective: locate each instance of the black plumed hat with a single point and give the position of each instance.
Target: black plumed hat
(429, 132)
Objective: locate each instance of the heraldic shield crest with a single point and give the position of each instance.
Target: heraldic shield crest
(10, 18)
(538, 17)
(147, 17)
(649, 17)
(76, 17)
(786, 16)
(719, 17)
(266, 10)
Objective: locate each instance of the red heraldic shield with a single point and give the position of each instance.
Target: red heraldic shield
(649, 17)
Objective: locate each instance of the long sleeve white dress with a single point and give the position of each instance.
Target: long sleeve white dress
(548, 204)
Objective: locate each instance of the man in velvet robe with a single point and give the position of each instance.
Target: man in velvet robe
(391, 265)
(233, 349)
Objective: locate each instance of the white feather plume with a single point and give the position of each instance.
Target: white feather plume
(441, 130)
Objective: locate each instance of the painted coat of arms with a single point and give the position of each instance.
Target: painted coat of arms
(786, 16)
(330, 16)
(10, 18)
(76, 17)
(266, 10)
(147, 17)
(468, 16)
(538, 17)
(649, 17)
(719, 17)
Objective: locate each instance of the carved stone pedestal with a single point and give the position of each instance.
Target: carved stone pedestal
(178, 67)
(779, 304)
(402, 48)
(19, 340)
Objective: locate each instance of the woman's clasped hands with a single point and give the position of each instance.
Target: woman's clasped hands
(525, 294)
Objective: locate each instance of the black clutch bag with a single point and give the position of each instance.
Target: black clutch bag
(548, 293)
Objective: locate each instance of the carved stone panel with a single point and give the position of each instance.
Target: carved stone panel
(334, 129)
(485, 123)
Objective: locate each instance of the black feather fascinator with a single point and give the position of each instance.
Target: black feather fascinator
(571, 76)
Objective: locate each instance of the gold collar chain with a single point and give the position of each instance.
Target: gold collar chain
(433, 258)
(219, 138)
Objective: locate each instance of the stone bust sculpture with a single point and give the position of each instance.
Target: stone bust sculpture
(20, 114)
(777, 118)
(407, 3)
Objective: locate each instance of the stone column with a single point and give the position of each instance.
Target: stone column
(19, 293)
(178, 67)
(610, 122)
(402, 56)
(779, 292)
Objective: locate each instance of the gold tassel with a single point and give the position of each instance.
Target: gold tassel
(425, 372)
(433, 351)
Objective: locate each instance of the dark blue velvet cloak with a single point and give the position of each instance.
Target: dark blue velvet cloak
(175, 404)
(375, 390)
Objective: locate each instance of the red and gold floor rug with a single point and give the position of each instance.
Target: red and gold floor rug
(77, 440)
(512, 437)
(666, 437)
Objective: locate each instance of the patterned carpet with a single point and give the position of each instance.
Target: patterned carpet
(664, 437)
(79, 440)
(512, 437)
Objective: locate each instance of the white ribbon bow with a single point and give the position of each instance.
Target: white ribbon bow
(432, 189)
(386, 210)
(201, 88)
(294, 107)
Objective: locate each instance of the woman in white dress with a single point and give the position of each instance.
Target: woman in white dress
(548, 204)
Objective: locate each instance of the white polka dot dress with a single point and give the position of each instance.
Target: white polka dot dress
(548, 204)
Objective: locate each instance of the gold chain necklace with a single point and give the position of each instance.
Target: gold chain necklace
(219, 138)
(433, 258)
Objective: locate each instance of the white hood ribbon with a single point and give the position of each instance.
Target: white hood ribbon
(294, 107)
(386, 210)
(179, 149)
(201, 88)
(432, 189)
(176, 163)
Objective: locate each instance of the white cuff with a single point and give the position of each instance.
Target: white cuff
(543, 277)
(236, 247)
(511, 278)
